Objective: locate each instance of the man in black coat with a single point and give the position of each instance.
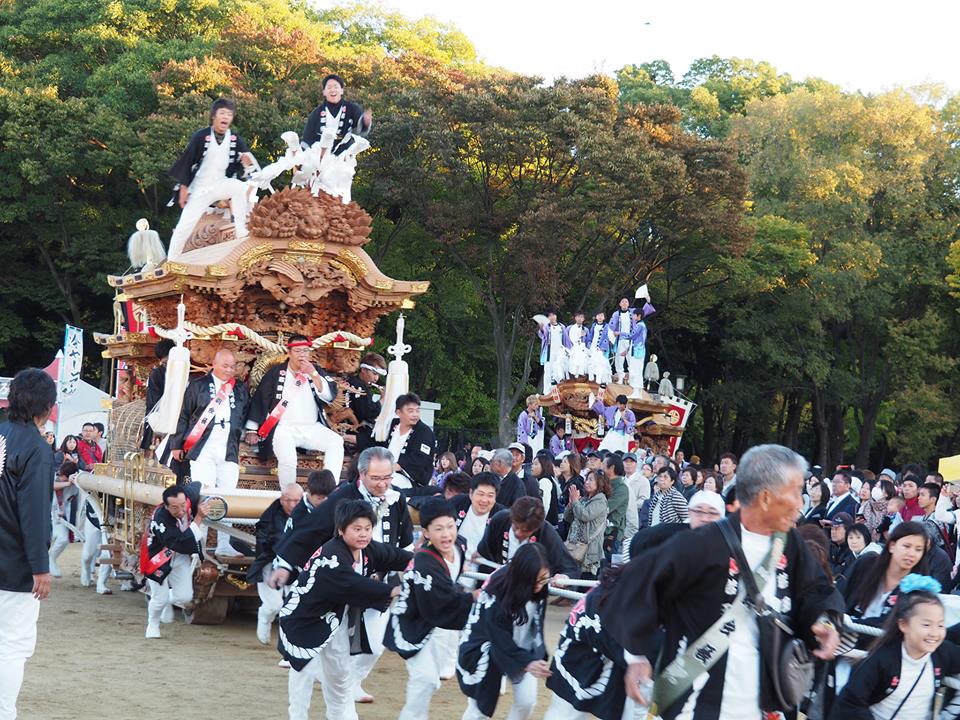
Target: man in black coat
(525, 522)
(334, 121)
(287, 412)
(269, 528)
(394, 528)
(155, 384)
(26, 491)
(411, 441)
(209, 428)
(207, 172)
(664, 588)
(365, 400)
(174, 536)
(511, 486)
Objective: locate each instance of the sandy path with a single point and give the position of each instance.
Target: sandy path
(92, 662)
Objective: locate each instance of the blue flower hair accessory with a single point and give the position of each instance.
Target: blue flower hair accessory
(915, 581)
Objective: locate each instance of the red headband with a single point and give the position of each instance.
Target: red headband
(299, 343)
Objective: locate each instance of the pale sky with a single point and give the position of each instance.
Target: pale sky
(868, 46)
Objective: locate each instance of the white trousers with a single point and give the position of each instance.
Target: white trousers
(93, 538)
(615, 441)
(424, 678)
(560, 709)
(270, 602)
(622, 346)
(599, 368)
(332, 669)
(635, 368)
(59, 539)
(375, 623)
(316, 436)
(215, 472)
(450, 642)
(176, 589)
(18, 639)
(236, 191)
(524, 702)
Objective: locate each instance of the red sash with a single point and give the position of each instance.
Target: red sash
(149, 565)
(208, 414)
(274, 417)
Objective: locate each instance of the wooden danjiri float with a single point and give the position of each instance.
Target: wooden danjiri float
(301, 269)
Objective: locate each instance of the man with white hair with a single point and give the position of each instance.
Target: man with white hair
(711, 650)
(395, 528)
(269, 529)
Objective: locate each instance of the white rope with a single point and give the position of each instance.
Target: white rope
(260, 341)
(559, 592)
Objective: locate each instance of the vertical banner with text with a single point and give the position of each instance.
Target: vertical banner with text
(72, 361)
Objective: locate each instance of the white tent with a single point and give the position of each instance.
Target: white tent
(85, 405)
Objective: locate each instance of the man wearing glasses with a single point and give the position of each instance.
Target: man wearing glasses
(395, 528)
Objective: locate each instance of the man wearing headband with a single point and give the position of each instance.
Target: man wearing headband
(365, 402)
(287, 412)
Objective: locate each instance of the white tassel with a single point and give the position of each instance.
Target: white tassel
(144, 247)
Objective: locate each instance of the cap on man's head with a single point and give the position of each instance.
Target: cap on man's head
(706, 497)
(843, 518)
(890, 473)
(518, 447)
(629, 456)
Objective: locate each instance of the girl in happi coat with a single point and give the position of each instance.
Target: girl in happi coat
(504, 637)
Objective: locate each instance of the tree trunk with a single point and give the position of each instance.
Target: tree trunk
(709, 449)
(820, 428)
(870, 408)
(791, 426)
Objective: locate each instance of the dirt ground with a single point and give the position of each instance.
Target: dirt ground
(92, 661)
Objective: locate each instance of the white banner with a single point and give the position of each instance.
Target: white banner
(72, 360)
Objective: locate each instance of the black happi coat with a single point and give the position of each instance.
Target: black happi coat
(185, 168)
(197, 396)
(317, 527)
(512, 488)
(588, 665)
(155, 384)
(316, 605)
(26, 491)
(270, 391)
(351, 121)
(684, 586)
(429, 598)
(878, 676)
(496, 544)
(269, 528)
(302, 509)
(366, 409)
(488, 651)
(164, 532)
(417, 453)
(461, 503)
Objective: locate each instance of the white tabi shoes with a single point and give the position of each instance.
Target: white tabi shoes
(55, 568)
(166, 617)
(153, 631)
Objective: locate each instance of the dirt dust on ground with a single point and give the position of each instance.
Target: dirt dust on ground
(93, 663)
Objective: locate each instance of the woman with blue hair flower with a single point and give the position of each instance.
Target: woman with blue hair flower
(901, 677)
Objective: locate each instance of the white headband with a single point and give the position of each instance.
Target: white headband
(373, 368)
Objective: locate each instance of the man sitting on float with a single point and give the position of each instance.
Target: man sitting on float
(209, 171)
(286, 412)
(332, 138)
